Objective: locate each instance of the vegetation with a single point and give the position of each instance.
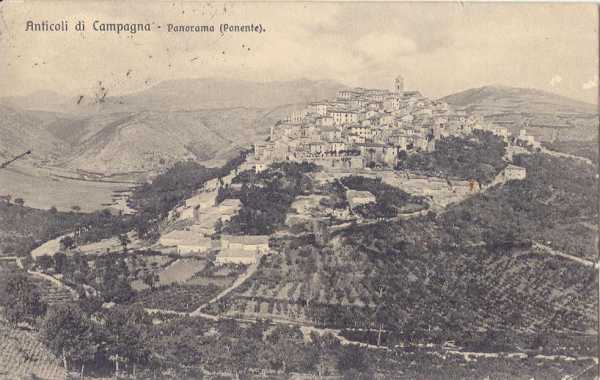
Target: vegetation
(113, 337)
(178, 297)
(20, 300)
(556, 203)
(23, 228)
(25, 356)
(266, 198)
(109, 275)
(587, 149)
(389, 200)
(478, 158)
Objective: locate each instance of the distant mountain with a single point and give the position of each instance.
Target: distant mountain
(182, 95)
(223, 93)
(49, 101)
(24, 130)
(544, 114)
(148, 141)
(200, 119)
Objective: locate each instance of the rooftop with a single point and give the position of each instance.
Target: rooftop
(246, 239)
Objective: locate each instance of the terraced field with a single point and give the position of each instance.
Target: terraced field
(51, 293)
(520, 290)
(22, 355)
(286, 286)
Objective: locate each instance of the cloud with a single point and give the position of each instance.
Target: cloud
(555, 80)
(592, 83)
(381, 47)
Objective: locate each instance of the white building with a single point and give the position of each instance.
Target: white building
(242, 249)
(514, 172)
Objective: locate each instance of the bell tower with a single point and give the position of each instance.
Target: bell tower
(399, 84)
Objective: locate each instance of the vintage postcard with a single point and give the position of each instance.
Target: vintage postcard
(298, 190)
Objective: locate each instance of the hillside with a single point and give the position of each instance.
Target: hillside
(47, 101)
(545, 114)
(24, 356)
(148, 141)
(23, 130)
(146, 131)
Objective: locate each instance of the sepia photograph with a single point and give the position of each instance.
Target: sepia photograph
(299, 190)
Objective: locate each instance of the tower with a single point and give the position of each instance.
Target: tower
(399, 84)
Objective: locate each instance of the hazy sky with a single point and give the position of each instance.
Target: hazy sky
(438, 48)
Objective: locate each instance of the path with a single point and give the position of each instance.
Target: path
(49, 248)
(554, 153)
(238, 281)
(55, 281)
(554, 252)
(307, 330)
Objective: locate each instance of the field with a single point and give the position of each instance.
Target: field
(178, 297)
(188, 292)
(286, 286)
(22, 355)
(41, 189)
(181, 271)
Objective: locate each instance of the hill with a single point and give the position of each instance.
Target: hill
(148, 141)
(23, 130)
(181, 94)
(46, 100)
(146, 131)
(545, 114)
(189, 94)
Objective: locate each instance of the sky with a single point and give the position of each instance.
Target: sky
(439, 48)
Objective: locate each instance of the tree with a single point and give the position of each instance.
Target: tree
(286, 348)
(218, 227)
(45, 262)
(352, 359)
(67, 242)
(124, 240)
(326, 345)
(150, 278)
(60, 262)
(70, 334)
(22, 302)
(126, 328)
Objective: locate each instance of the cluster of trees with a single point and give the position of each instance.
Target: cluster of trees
(389, 199)
(25, 228)
(478, 158)
(20, 299)
(97, 339)
(109, 275)
(453, 276)
(243, 350)
(123, 340)
(266, 198)
(557, 192)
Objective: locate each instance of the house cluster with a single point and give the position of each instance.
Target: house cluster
(363, 127)
(196, 233)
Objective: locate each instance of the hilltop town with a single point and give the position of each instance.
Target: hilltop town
(370, 128)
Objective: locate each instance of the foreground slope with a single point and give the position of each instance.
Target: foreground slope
(22, 355)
